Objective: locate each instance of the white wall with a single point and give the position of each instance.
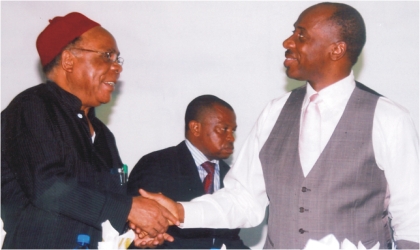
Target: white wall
(175, 51)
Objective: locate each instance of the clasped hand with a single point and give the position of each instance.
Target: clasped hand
(150, 216)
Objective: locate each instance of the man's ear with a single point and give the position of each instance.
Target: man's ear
(67, 61)
(338, 50)
(195, 128)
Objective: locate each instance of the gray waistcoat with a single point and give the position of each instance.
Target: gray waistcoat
(344, 192)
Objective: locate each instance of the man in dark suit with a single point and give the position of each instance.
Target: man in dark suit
(177, 172)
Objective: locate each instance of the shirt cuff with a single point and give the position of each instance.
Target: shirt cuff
(193, 215)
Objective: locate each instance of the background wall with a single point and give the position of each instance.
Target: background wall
(176, 51)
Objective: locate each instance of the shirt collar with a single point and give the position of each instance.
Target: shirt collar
(70, 100)
(199, 157)
(334, 94)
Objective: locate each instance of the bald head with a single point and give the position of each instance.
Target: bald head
(350, 26)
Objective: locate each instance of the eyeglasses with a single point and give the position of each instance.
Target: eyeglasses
(110, 57)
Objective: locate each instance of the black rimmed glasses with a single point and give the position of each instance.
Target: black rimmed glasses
(110, 57)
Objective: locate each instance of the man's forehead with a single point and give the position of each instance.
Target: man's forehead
(95, 34)
(214, 109)
(100, 38)
(313, 16)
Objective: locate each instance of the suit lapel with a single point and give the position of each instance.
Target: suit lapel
(186, 164)
(224, 168)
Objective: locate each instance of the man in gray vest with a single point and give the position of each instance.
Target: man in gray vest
(331, 157)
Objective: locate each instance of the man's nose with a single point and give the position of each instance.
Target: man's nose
(288, 43)
(118, 68)
(231, 136)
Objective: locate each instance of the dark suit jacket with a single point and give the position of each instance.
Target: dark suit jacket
(173, 172)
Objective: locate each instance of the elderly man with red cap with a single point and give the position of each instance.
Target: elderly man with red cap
(59, 163)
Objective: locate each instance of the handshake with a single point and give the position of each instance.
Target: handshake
(150, 216)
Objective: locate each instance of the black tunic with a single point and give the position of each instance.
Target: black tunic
(55, 182)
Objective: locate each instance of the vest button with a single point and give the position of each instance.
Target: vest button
(301, 209)
(301, 231)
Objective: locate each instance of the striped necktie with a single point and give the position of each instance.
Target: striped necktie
(208, 181)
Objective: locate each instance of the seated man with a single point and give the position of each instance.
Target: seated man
(182, 173)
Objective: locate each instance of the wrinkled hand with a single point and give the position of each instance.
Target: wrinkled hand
(175, 208)
(139, 233)
(143, 240)
(149, 216)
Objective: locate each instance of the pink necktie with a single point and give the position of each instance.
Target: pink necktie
(310, 135)
(208, 181)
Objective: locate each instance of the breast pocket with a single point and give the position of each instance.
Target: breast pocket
(111, 180)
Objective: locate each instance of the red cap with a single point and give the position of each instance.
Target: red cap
(59, 33)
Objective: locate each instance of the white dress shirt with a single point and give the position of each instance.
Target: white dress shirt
(243, 201)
